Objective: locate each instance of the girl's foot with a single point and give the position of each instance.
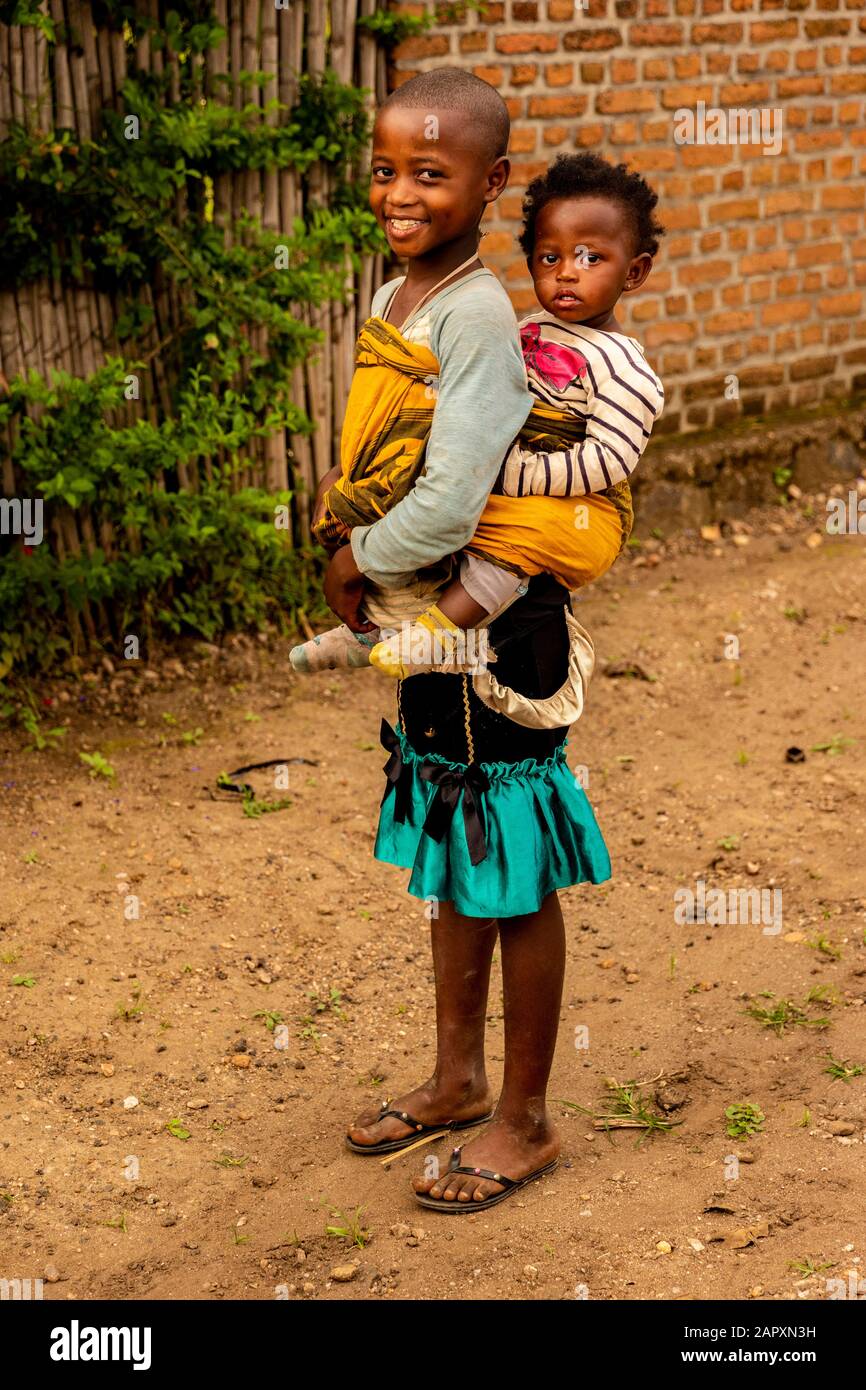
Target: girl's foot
(340, 647)
(431, 1103)
(504, 1147)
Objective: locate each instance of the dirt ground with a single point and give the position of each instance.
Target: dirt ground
(158, 1141)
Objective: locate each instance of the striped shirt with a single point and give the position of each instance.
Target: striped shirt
(605, 381)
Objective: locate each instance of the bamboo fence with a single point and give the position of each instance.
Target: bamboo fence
(48, 324)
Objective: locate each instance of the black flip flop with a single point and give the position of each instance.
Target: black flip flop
(392, 1146)
(512, 1185)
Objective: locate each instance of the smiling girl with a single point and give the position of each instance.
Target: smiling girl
(479, 801)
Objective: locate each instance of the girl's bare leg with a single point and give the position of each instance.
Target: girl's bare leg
(521, 1137)
(458, 1089)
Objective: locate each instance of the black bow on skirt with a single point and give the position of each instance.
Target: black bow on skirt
(473, 782)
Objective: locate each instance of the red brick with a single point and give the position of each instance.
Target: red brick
(760, 262)
(592, 72)
(560, 11)
(555, 134)
(642, 310)
(522, 74)
(677, 218)
(717, 33)
(656, 69)
(659, 333)
(559, 74)
(473, 43)
(818, 140)
(702, 272)
(786, 311)
(847, 82)
(768, 31)
(840, 305)
(744, 93)
(588, 136)
(793, 201)
(523, 11)
(423, 46)
(734, 209)
(623, 133)
(687, 65)
(649, 161)
(523, 172)
(685, 96)
(557, 106)
(823, 28)
(493, 76)
(760, 291)
(800, 86)
(656, 35)
(498, 243)
(523, 139)
(591, 40)
(765, 234)
(616, 103)
(526, 43)
(623, 70)
(841, 196)
(731, 322)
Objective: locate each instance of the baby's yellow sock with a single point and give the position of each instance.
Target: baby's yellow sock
(419, 646)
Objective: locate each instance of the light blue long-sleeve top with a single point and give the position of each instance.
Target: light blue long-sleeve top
(481, 404)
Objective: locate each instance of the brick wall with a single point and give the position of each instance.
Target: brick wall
(762, 273)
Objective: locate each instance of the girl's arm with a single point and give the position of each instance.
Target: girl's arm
(481, 404)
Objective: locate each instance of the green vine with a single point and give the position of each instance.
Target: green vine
(131, 213)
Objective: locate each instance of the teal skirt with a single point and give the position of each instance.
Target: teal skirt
(494, 839)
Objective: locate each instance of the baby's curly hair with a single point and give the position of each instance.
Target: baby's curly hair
(590, 176)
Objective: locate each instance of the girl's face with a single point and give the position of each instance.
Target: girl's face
(431, 178)
(583, 260)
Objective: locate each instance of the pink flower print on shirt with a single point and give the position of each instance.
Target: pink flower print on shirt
(556, 365)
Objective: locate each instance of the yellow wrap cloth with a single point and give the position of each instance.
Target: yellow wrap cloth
(388, 419)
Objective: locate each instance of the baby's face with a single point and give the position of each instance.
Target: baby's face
(583, 258)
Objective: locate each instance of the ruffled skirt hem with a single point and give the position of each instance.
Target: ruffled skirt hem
(539, 832)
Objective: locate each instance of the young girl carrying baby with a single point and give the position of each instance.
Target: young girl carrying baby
(479, 801)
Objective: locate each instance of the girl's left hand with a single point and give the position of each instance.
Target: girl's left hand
(344, 589)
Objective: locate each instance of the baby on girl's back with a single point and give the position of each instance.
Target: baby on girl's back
(589, 235)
